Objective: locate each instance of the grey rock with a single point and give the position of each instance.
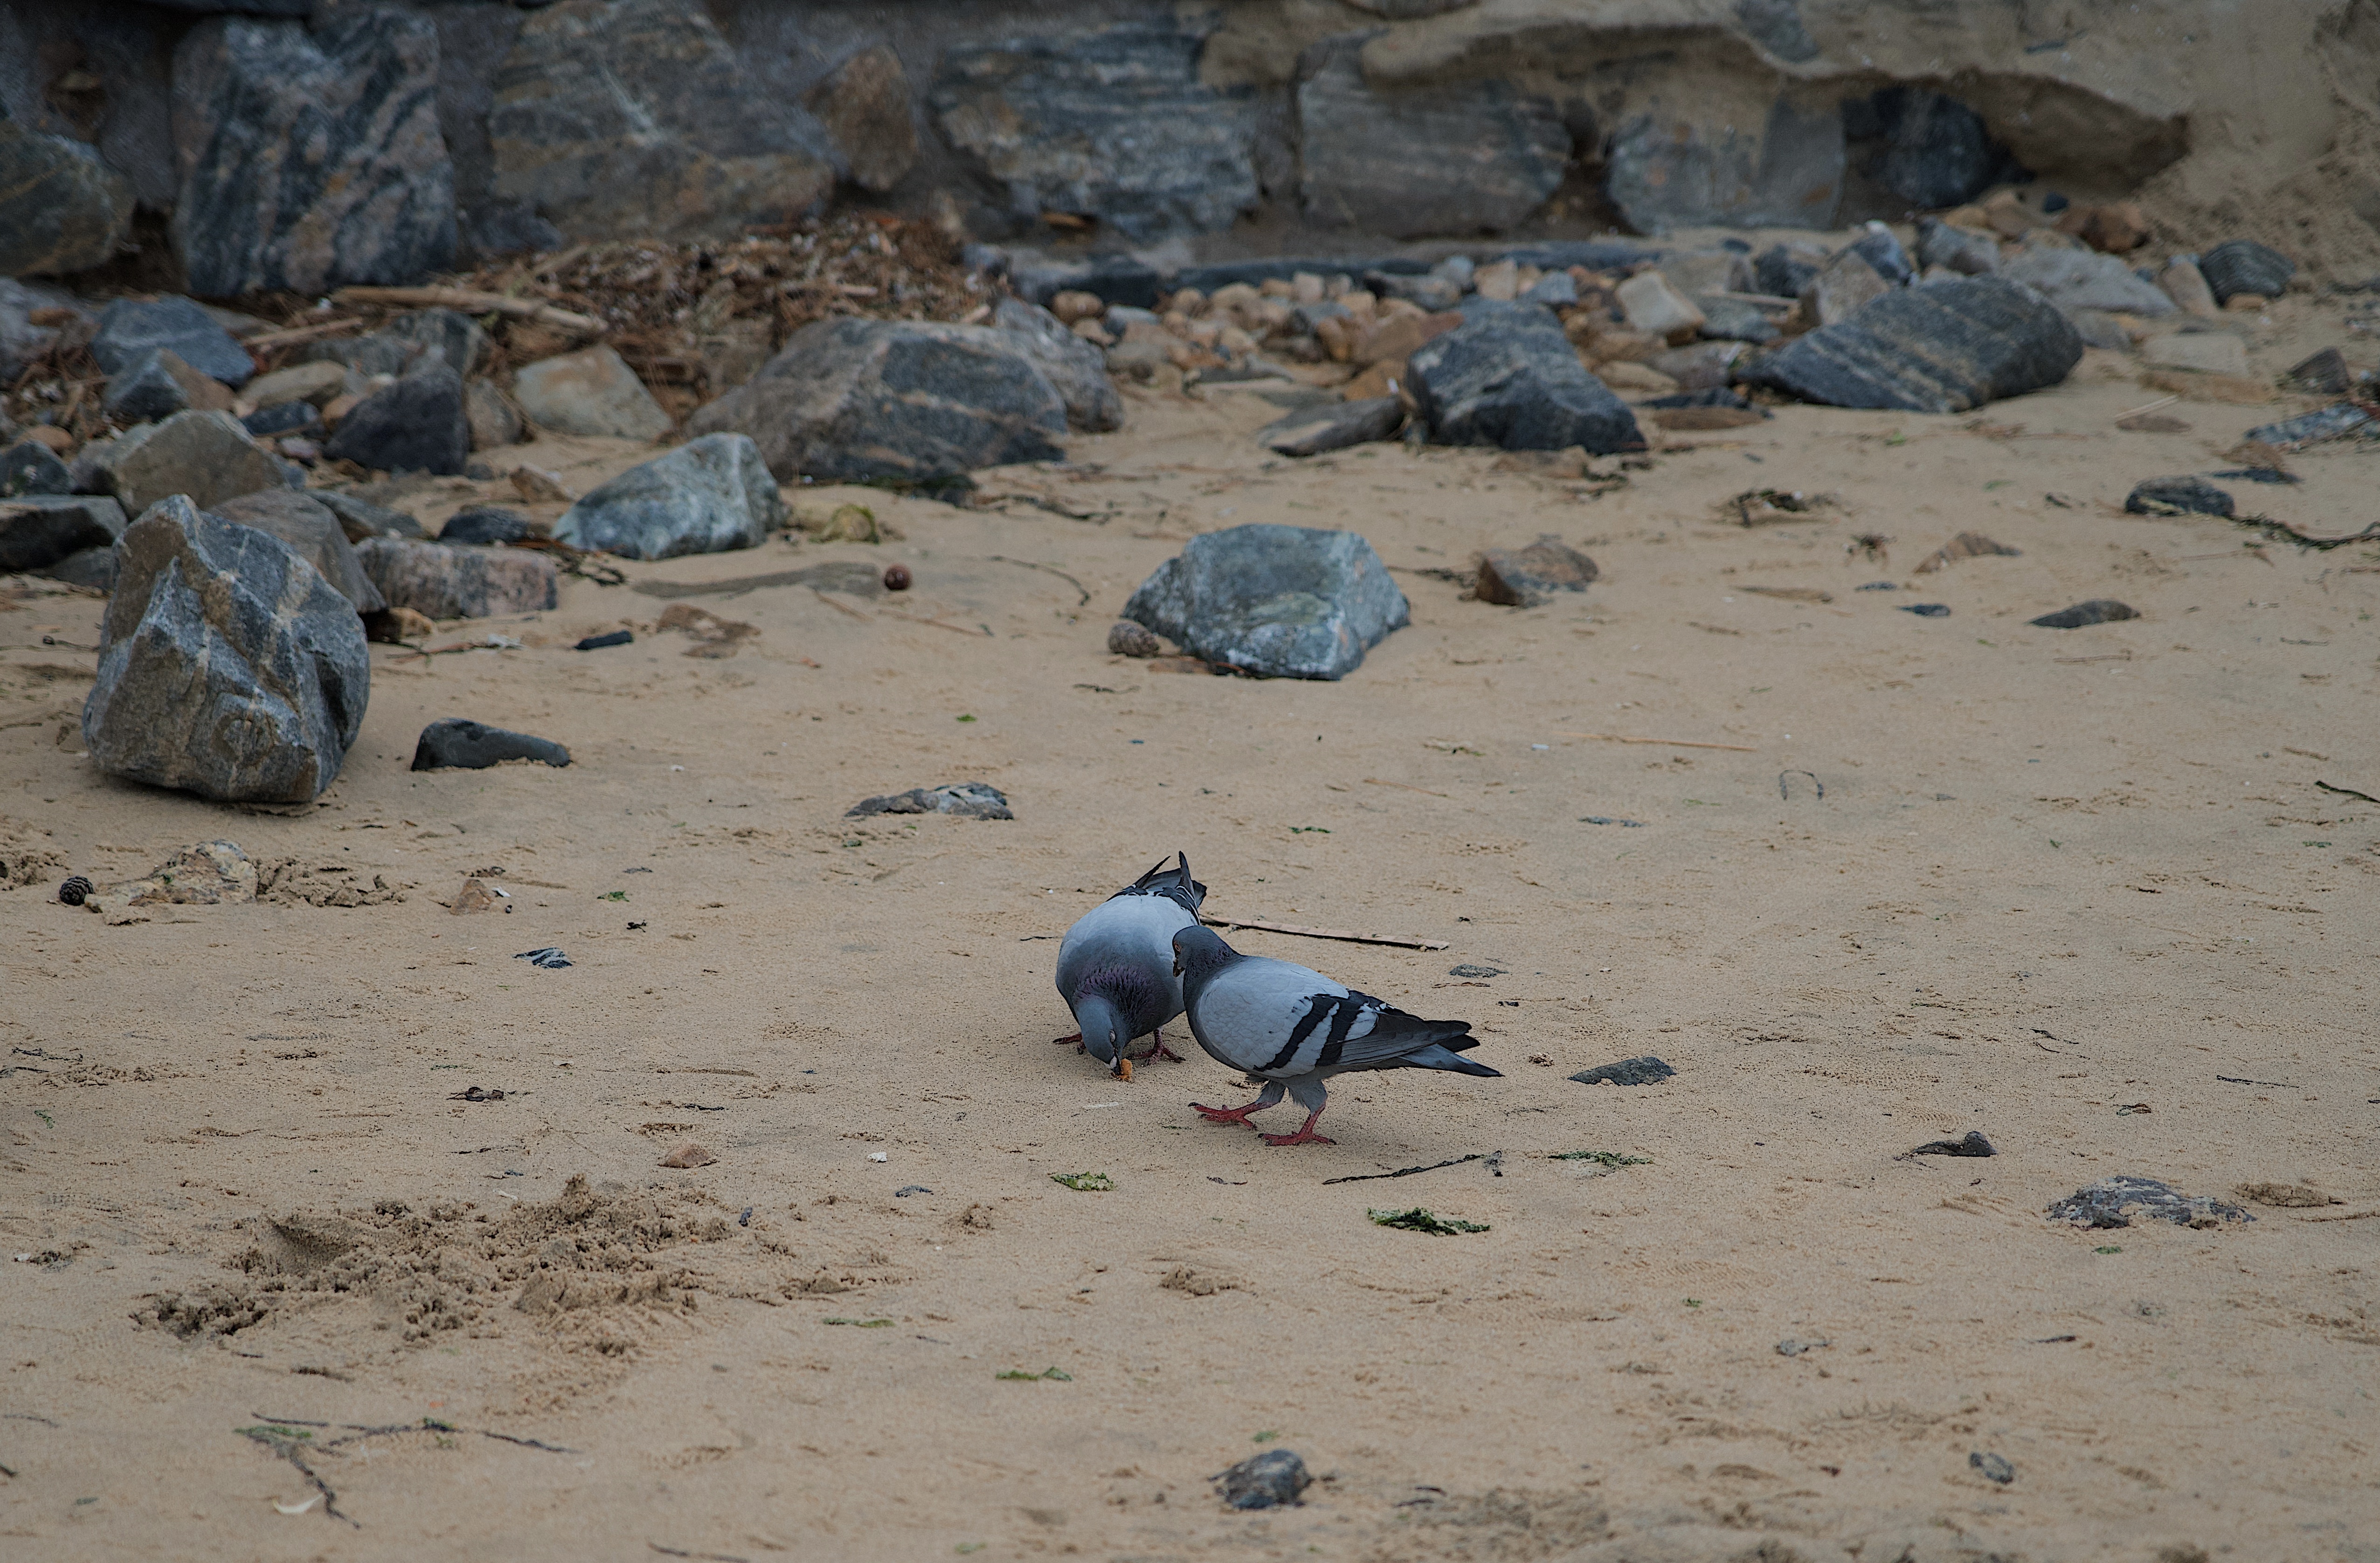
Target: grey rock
(491, 416)
(619, 117)
(414, 425)
(1782, 272)
(456, 338)
(2115, 1201)
(2098, 610)
(2313, 428)
(1526, 577)
(300, 418)
(460, 743)
(504, 227)
(2324, 374)
(439, 582)
(227, 666)
(361, 518)
(1776, 26)
(707, 496)
(1991, 1467)
(1270, 1479)
(2239, 266)
(1942, 348)
(61, 208)
(94, 568)
(593, 393)
(1445, 158)
(1965, 251)
(864, 103)
(2083, 279)
(1073, 367)
(206, 455)
(484, 526)
(39, 529)
(130, 332)
(854, 399)
(312, 155)
(1971, 1144)
(1732, 319)
(160, 386)
(314, 533)
(1276, 601)
(1880, 249)
(1646, 1071)
(362, 356)
(1555, 290)
(1128, 640)
(2185, 495)
(967, 800)
(1936, 150)
(1113, 124)
(2099, 329)
(1334, 426)
(1509, 377)
(1665, 173)
(31, 467)
(1704, 366)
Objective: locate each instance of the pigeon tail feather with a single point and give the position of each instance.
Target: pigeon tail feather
(1439, 1057)
(1174, 884)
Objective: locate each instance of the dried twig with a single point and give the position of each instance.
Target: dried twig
(1052, 569)
(1661, 743)
(840, 607)
(1349, 935)
(471, 301)
(2347, 792)
(1404, 1171)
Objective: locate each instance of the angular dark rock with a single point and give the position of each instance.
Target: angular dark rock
(1113, 124)
(2324, 374)
(1705, 366)
(414, 425)
(284, 418)
(439, 582)
(312, 155)
(460, 743)
(1776, 26)
(2187, 494)
(1276, 601)
(1334, 426)
(1446, 158)
(1646, 1071)
(94, 568)
(1972, 1144)
(227, 666)
(310, 529)
(380, 352)
(1936, 150)
(2313, 428)
(1942, 348)
(361, 518)
(204, 454)
(2115, 1201)
(1783, 272)
(484, 526)
(636, 116)
(1073, 367)
(160, 386)
(1881, 250)
(31, 467)
(39, 529)
(853, 398)
(605, 642)
(2098, 610)
(61, 208)
(864, 103)
(1524, 577)
(1270, 1479)
(1964, 250)
(709, 496)
(130, 331)
(1509, 377)
(1667, 171)
(2239, 266)
(455, 337)
(967, 800)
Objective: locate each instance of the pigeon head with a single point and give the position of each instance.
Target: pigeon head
(1198, 949)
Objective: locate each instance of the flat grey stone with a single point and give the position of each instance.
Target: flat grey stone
(1646, 1071)
(457, 743)
(1334, 426)
(440, 582)
(130, 331)
(967, 800)
(1526, 577)
(593, 394)
(709, 496)
(1945, 347)
(206, 455)
(2084, 279)
(2116, 1202)
(1276, 601)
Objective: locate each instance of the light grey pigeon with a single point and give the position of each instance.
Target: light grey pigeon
(1115, 971)
(1295, 1028)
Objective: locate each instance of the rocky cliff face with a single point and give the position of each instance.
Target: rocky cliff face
(303, 143)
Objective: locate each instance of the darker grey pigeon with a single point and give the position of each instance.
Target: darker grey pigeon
(1295, 1028)
(1115, 971)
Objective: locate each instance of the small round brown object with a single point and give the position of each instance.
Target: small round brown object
(897, 577)
(1129, 639)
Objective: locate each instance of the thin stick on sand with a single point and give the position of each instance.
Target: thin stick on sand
(1347, 934)
(1375, 781)
(839, 607)
(473, 302)
(1661, 743)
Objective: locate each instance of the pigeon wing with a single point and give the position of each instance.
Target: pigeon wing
(1267, 1017)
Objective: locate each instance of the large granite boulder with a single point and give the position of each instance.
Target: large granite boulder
(1113, 124)
(1075, 369)
(36, 530)
(1278, 601)
(1667, 170)
(61, 208)
(1509, 377)
(417, 424)
(443, 582)
(707, 496)
(620, 118)
(206, 455)
(853, 399)
(864, 103)
(310, 152)
(1941, 348)
(227, 666)
(1448, 158)
(130, 331)
(314, 531)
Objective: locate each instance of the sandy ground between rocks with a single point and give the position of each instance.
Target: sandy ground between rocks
(2053, 875)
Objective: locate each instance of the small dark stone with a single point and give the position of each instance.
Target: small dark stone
(1473, 972)
(1524, 577)
(2325, 374)
(1973, 1145)
(75, 891)
(2313, 428)
(2113, 1201)
(897, 577)
(1507, 376)
(1128, 640)
(361, 518)
(2239, 266)
(2183, 495)
(31, 467)
(1645, 1070)
(1925, 610)
(1709, 396)
(38, 530)
(2052, 202)
(1881, 250)
(2098, 610)
(1270, 1479)
(598, 642)
(548, 959)
(1781, 273)
(415, 425)
(130, 332)
(460, 743)
(969, 800)
(289, 418)
(485, 524)
(1334, 426)
(1993, 1467)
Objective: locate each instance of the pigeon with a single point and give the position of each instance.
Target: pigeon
(1116, 969)
(1295, 1028)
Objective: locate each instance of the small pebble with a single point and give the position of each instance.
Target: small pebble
(897, 577)
(1993, 1467)
(1270, 1479)
(75, 891)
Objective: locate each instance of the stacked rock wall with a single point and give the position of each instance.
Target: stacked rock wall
(307, 143)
